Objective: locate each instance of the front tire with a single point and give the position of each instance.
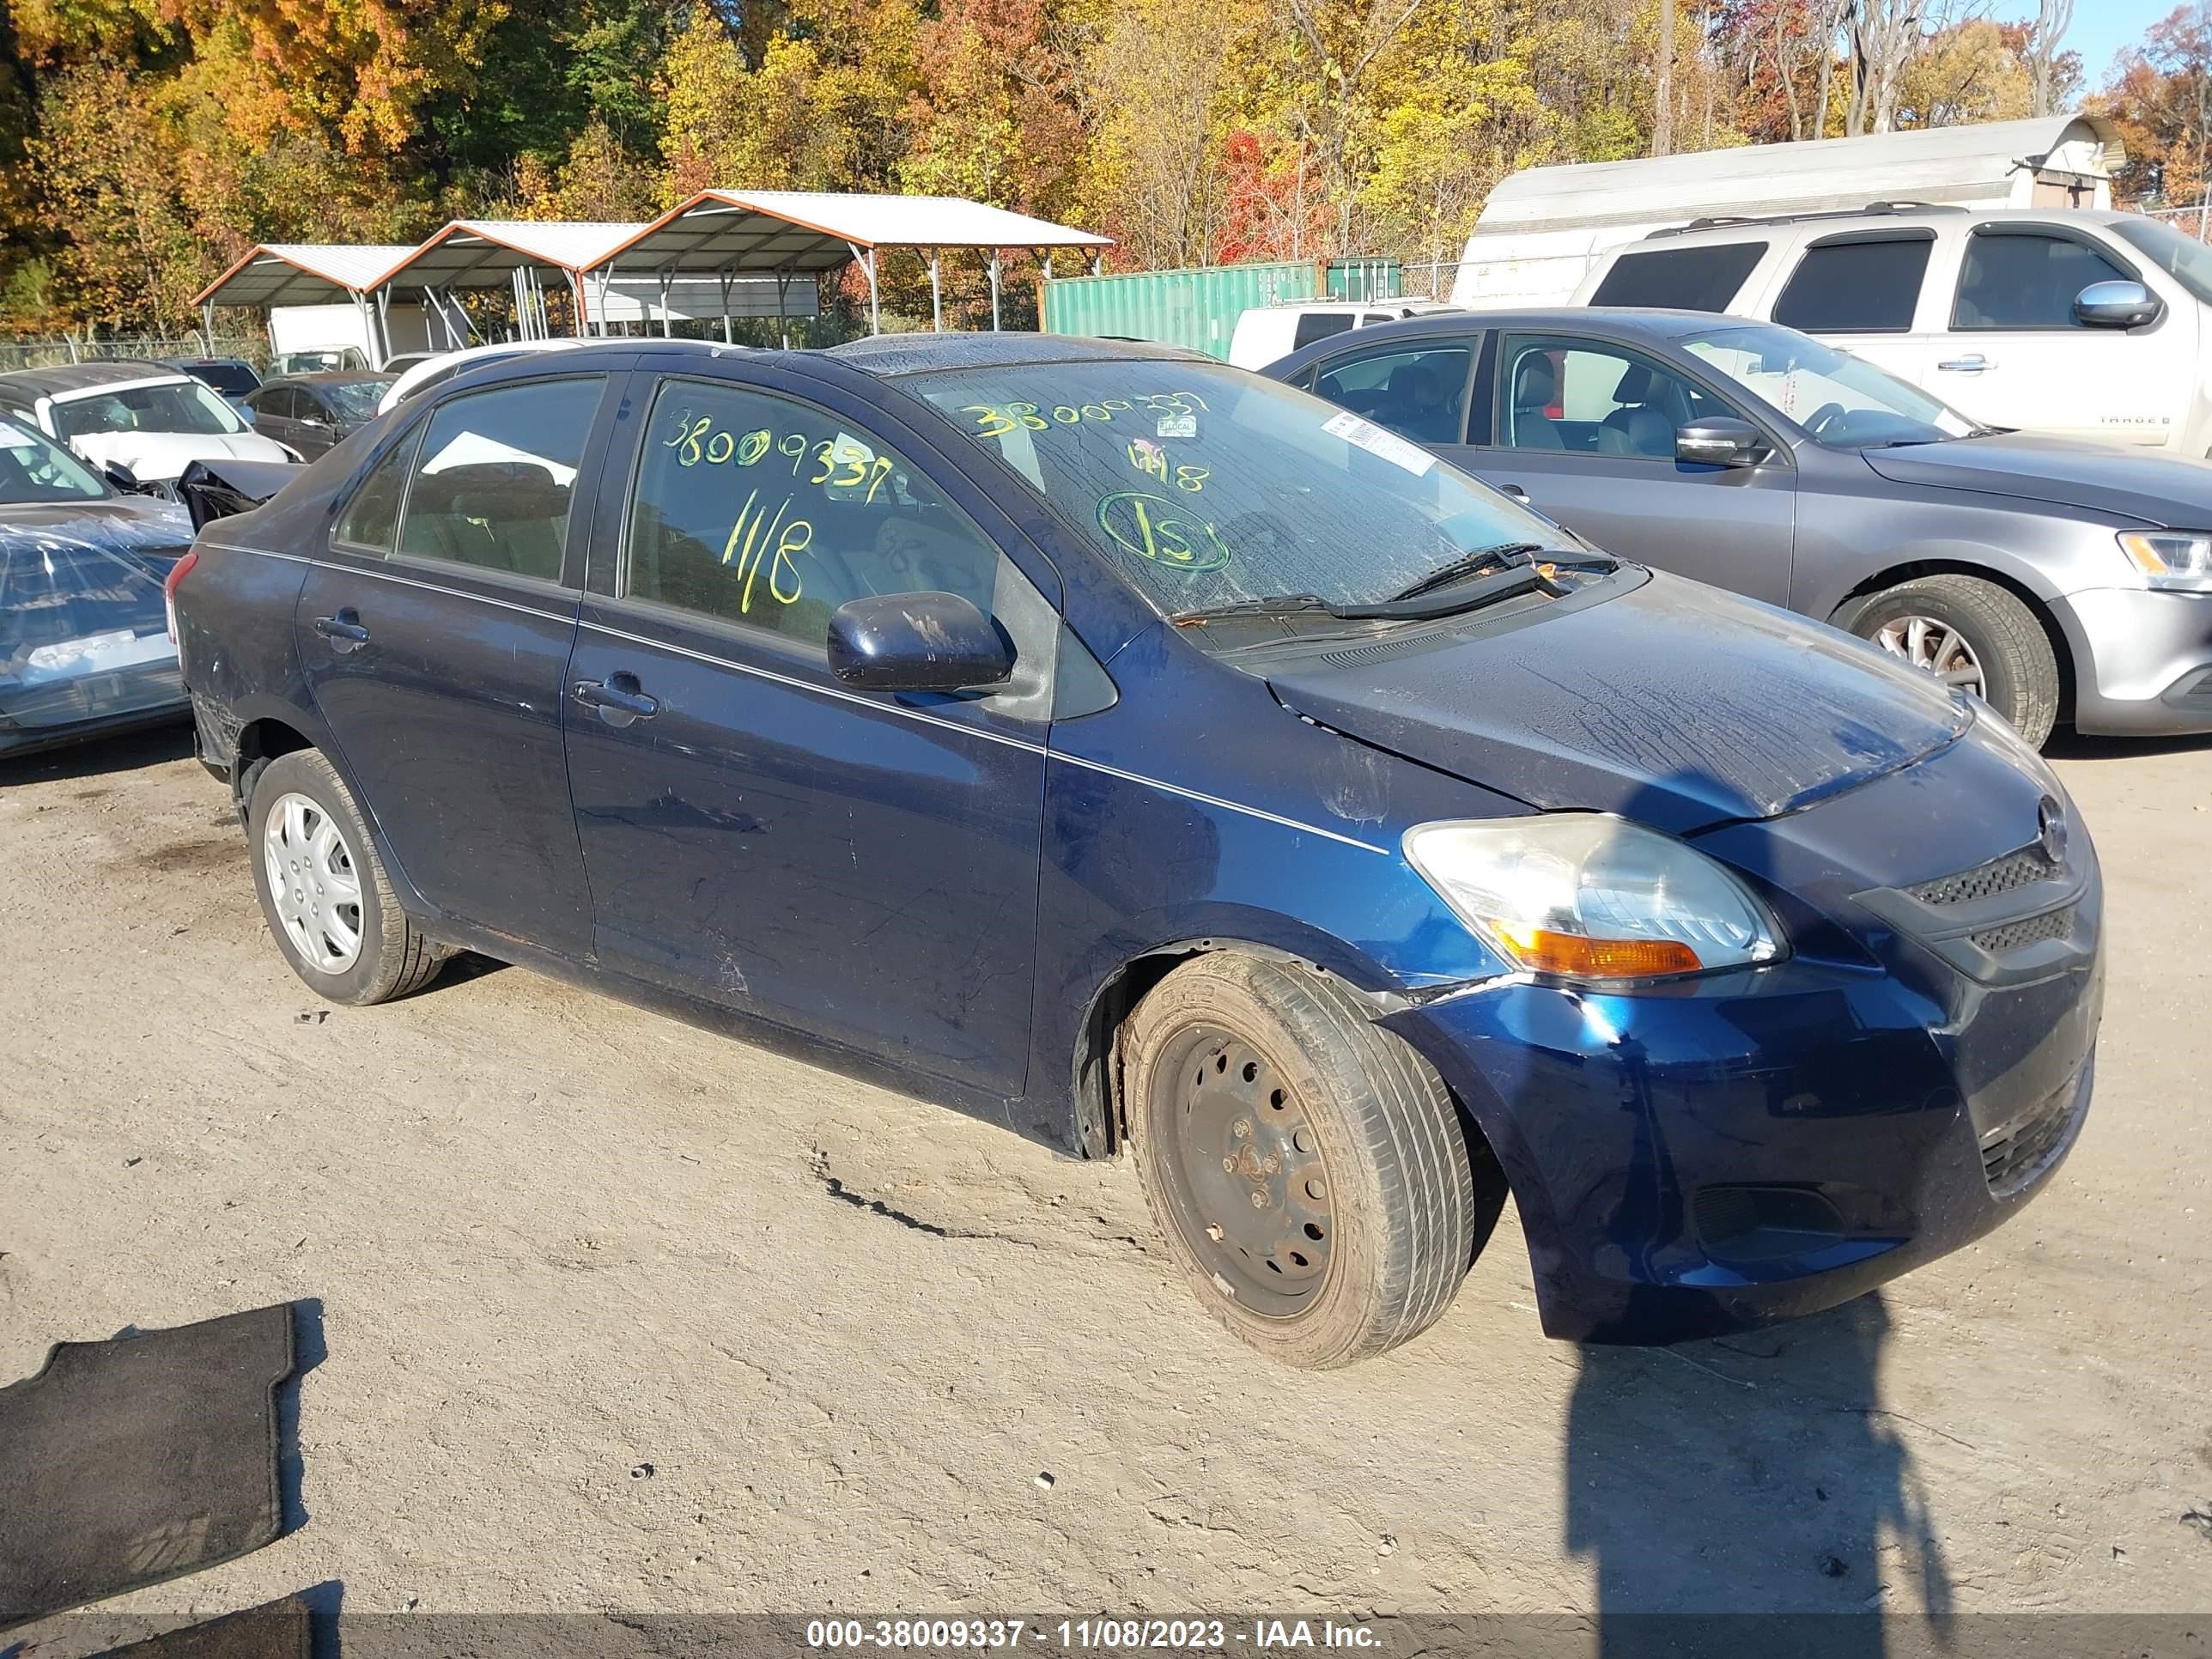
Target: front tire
(323, 889)
(1973, 634)
(1308, 1168)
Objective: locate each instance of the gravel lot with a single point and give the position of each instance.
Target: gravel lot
(616, 1315)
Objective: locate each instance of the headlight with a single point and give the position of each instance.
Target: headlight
(2179, 561)
(1586, 896)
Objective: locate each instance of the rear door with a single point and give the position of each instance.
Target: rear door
(273, 407)
(1861, 290)
(861, 866)
(435, 637)
(2011, 354)
(1583, 429)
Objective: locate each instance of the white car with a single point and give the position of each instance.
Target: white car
(1265, 333)
(436, 371)
(2076, 322)
(155, 421)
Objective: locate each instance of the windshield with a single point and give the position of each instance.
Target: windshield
(2189, 263)
(1844, 402)
(34, 469)
(182, 405)
(354, 400)
(1210, 486)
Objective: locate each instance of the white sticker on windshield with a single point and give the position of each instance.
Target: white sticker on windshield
(1184, 425)
(13, 436)
(1375, 441)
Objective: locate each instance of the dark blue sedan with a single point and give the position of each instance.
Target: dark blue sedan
(1154, 759)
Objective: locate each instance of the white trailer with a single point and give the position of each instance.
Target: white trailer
(1544, 229)
(347, 326)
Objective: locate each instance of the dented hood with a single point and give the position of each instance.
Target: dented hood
(1674, 704)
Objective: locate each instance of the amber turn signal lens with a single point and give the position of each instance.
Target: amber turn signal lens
(1543, 951)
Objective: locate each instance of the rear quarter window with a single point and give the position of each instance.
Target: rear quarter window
(1705, 278)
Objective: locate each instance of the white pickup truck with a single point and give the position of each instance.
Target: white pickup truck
(2084, 324)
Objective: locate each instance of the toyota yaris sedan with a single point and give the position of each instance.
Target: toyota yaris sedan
(1162, 763)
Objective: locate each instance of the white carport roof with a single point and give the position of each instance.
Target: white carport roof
(486, 253)
(303, 273)
(796, 230)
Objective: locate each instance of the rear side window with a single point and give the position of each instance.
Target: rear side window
(492, 483)
(2026, 280)
(1319, 325)
(369, 520)
(1421, 395)
(1856, 287)
(1680, 278)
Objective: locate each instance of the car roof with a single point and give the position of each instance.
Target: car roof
(893, 354)
(334, 377)
(1903, 217)
(62, 378)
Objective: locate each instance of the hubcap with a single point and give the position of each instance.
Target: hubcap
(313, 879)
(1936, 646)
(1250, 1191)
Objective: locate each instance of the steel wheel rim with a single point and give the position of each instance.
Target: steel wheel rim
(313, 884)
(1250, 1189)
(1935, 646)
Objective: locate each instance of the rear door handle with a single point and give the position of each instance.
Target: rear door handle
(1972, 365)
(343, 631)
(618, 698)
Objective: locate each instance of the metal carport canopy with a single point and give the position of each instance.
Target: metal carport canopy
(782, 231)
(302, 273)
(508, 254)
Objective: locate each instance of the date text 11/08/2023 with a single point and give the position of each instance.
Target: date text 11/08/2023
(1092, 1635)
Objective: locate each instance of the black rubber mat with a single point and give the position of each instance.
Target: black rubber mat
(137, 1460)
(275, 1629)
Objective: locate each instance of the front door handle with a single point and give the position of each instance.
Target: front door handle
(1970, 365)
(618, 698)
(343, 631)
(1515, 491)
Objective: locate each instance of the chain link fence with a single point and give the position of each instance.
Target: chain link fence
(70, 348)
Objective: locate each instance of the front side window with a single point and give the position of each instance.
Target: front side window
(493, 481)
(34, 469)
(1418, 394)
(180, 405)
(759, 510)
(1207, 487)
(2026, 280)
(1680, 278)
(1591, 399)
(1844, 402)
(1855, 287)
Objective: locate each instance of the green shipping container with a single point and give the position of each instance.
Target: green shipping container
(1199, 306)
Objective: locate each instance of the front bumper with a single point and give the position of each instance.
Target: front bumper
(1712, 1153)
(2142, 660)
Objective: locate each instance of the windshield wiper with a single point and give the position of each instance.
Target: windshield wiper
(1505, 553)
(1523, 576)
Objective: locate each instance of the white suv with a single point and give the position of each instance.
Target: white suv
(2085, 324)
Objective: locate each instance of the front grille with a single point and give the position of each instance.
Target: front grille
(2000, 875)
(2015, 1154)
(2034, 930)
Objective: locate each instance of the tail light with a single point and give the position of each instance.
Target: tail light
(177, 572)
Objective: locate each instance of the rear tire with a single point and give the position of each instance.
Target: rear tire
(1309, 1169)
(323, 889)
(2017, 669)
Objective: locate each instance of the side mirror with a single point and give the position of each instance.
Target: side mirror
(2117, 305)
(917, 642)
(122, 478)
(1722, 440)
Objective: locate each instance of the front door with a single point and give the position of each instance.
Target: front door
(2014, 354)
(435, 637)
(1583, 430)
(861, 866)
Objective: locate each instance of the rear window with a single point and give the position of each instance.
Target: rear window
(1680, 278)
(1319, 325)
(232, 379)
(1855, 287)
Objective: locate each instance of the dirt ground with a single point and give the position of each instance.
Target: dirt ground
(616, 1315)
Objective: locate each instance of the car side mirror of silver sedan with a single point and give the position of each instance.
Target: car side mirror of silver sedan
(2117, 305)
(1722, 440)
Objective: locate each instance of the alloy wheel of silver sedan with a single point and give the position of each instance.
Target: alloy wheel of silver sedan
(315, 885)
(1936, 646)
